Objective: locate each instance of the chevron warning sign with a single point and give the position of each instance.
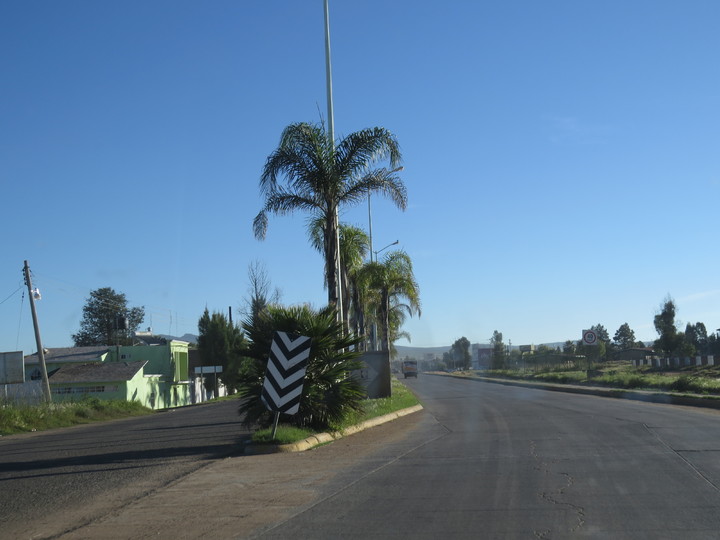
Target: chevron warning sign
(285, 373)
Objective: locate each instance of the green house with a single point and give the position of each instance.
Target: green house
(154, 375)
(166, 371)
(104, 380)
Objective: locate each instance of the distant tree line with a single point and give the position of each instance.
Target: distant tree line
(671, 342)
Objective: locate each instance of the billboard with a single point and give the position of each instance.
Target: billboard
(12, 367)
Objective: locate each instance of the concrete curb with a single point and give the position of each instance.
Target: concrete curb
(323, 438)
(652, 396)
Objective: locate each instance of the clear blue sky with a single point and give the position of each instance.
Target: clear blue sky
(561, 157)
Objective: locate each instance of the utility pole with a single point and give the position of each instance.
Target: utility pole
(38, 341)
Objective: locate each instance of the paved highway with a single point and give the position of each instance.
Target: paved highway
(481, 461)
(490, 461)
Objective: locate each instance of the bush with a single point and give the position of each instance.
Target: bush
(330, 392)
(684, 383)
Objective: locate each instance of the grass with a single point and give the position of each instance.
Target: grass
(401, 398)
(622, 375)
(15, 418)
(285, 435)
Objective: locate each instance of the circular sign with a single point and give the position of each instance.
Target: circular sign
(589, 337)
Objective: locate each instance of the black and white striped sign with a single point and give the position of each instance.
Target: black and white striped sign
(285, 373)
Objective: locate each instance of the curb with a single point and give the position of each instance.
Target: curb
(324, 438)
(710, 402)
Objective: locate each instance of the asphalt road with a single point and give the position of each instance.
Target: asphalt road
(71, 476)
(490, 461)
(481, 461)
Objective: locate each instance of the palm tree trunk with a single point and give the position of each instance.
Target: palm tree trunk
(331, 257)
(344, 282)
(358, 317)
(385, 320)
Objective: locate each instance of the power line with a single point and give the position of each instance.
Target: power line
(11, 295)
(75, 290)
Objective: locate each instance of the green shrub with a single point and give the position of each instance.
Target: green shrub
(330, 392)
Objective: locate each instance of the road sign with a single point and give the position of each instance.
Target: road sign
(12, 367)
(285, 373)
(589, 337)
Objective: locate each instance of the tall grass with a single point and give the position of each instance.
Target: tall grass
(19, 418)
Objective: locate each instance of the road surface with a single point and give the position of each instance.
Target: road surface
(491, 461)
(481, 461)
(57, 479)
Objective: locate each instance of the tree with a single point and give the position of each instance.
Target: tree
(395, 288)
(624, 337)
(498, 354)
(221, 343)
(330, 392)
(696, 335)
(570, 348)
(669, 340)
(259, 293)
(601, 333)
(321, 177)
(354, 247)
(107, 320)
(460, 353)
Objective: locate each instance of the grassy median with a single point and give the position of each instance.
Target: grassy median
(401, 398)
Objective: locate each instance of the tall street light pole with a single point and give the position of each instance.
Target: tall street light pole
(370, 218)
(373, 329)
(331, 137)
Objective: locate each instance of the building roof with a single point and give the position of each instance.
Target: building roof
(97, 372)
(148, 338)
(70, 354)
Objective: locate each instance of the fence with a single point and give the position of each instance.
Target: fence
(656, 362)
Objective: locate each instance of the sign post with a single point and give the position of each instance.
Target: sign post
(285, 375)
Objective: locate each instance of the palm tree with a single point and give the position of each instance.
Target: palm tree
(320, 179)
(393, 281)
(354, 247)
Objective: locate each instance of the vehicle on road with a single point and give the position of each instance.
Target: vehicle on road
(409, 368)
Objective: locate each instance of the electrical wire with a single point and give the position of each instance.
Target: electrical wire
(161, 314)
(11, 295)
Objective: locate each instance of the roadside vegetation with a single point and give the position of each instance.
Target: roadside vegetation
(401, 398)
(19, 418)
(702, 380)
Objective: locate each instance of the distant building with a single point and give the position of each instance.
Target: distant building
(482, 357)
(635, 353)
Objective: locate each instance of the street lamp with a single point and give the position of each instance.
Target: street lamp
(331, 139)
(395, 243)
(370, 217)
